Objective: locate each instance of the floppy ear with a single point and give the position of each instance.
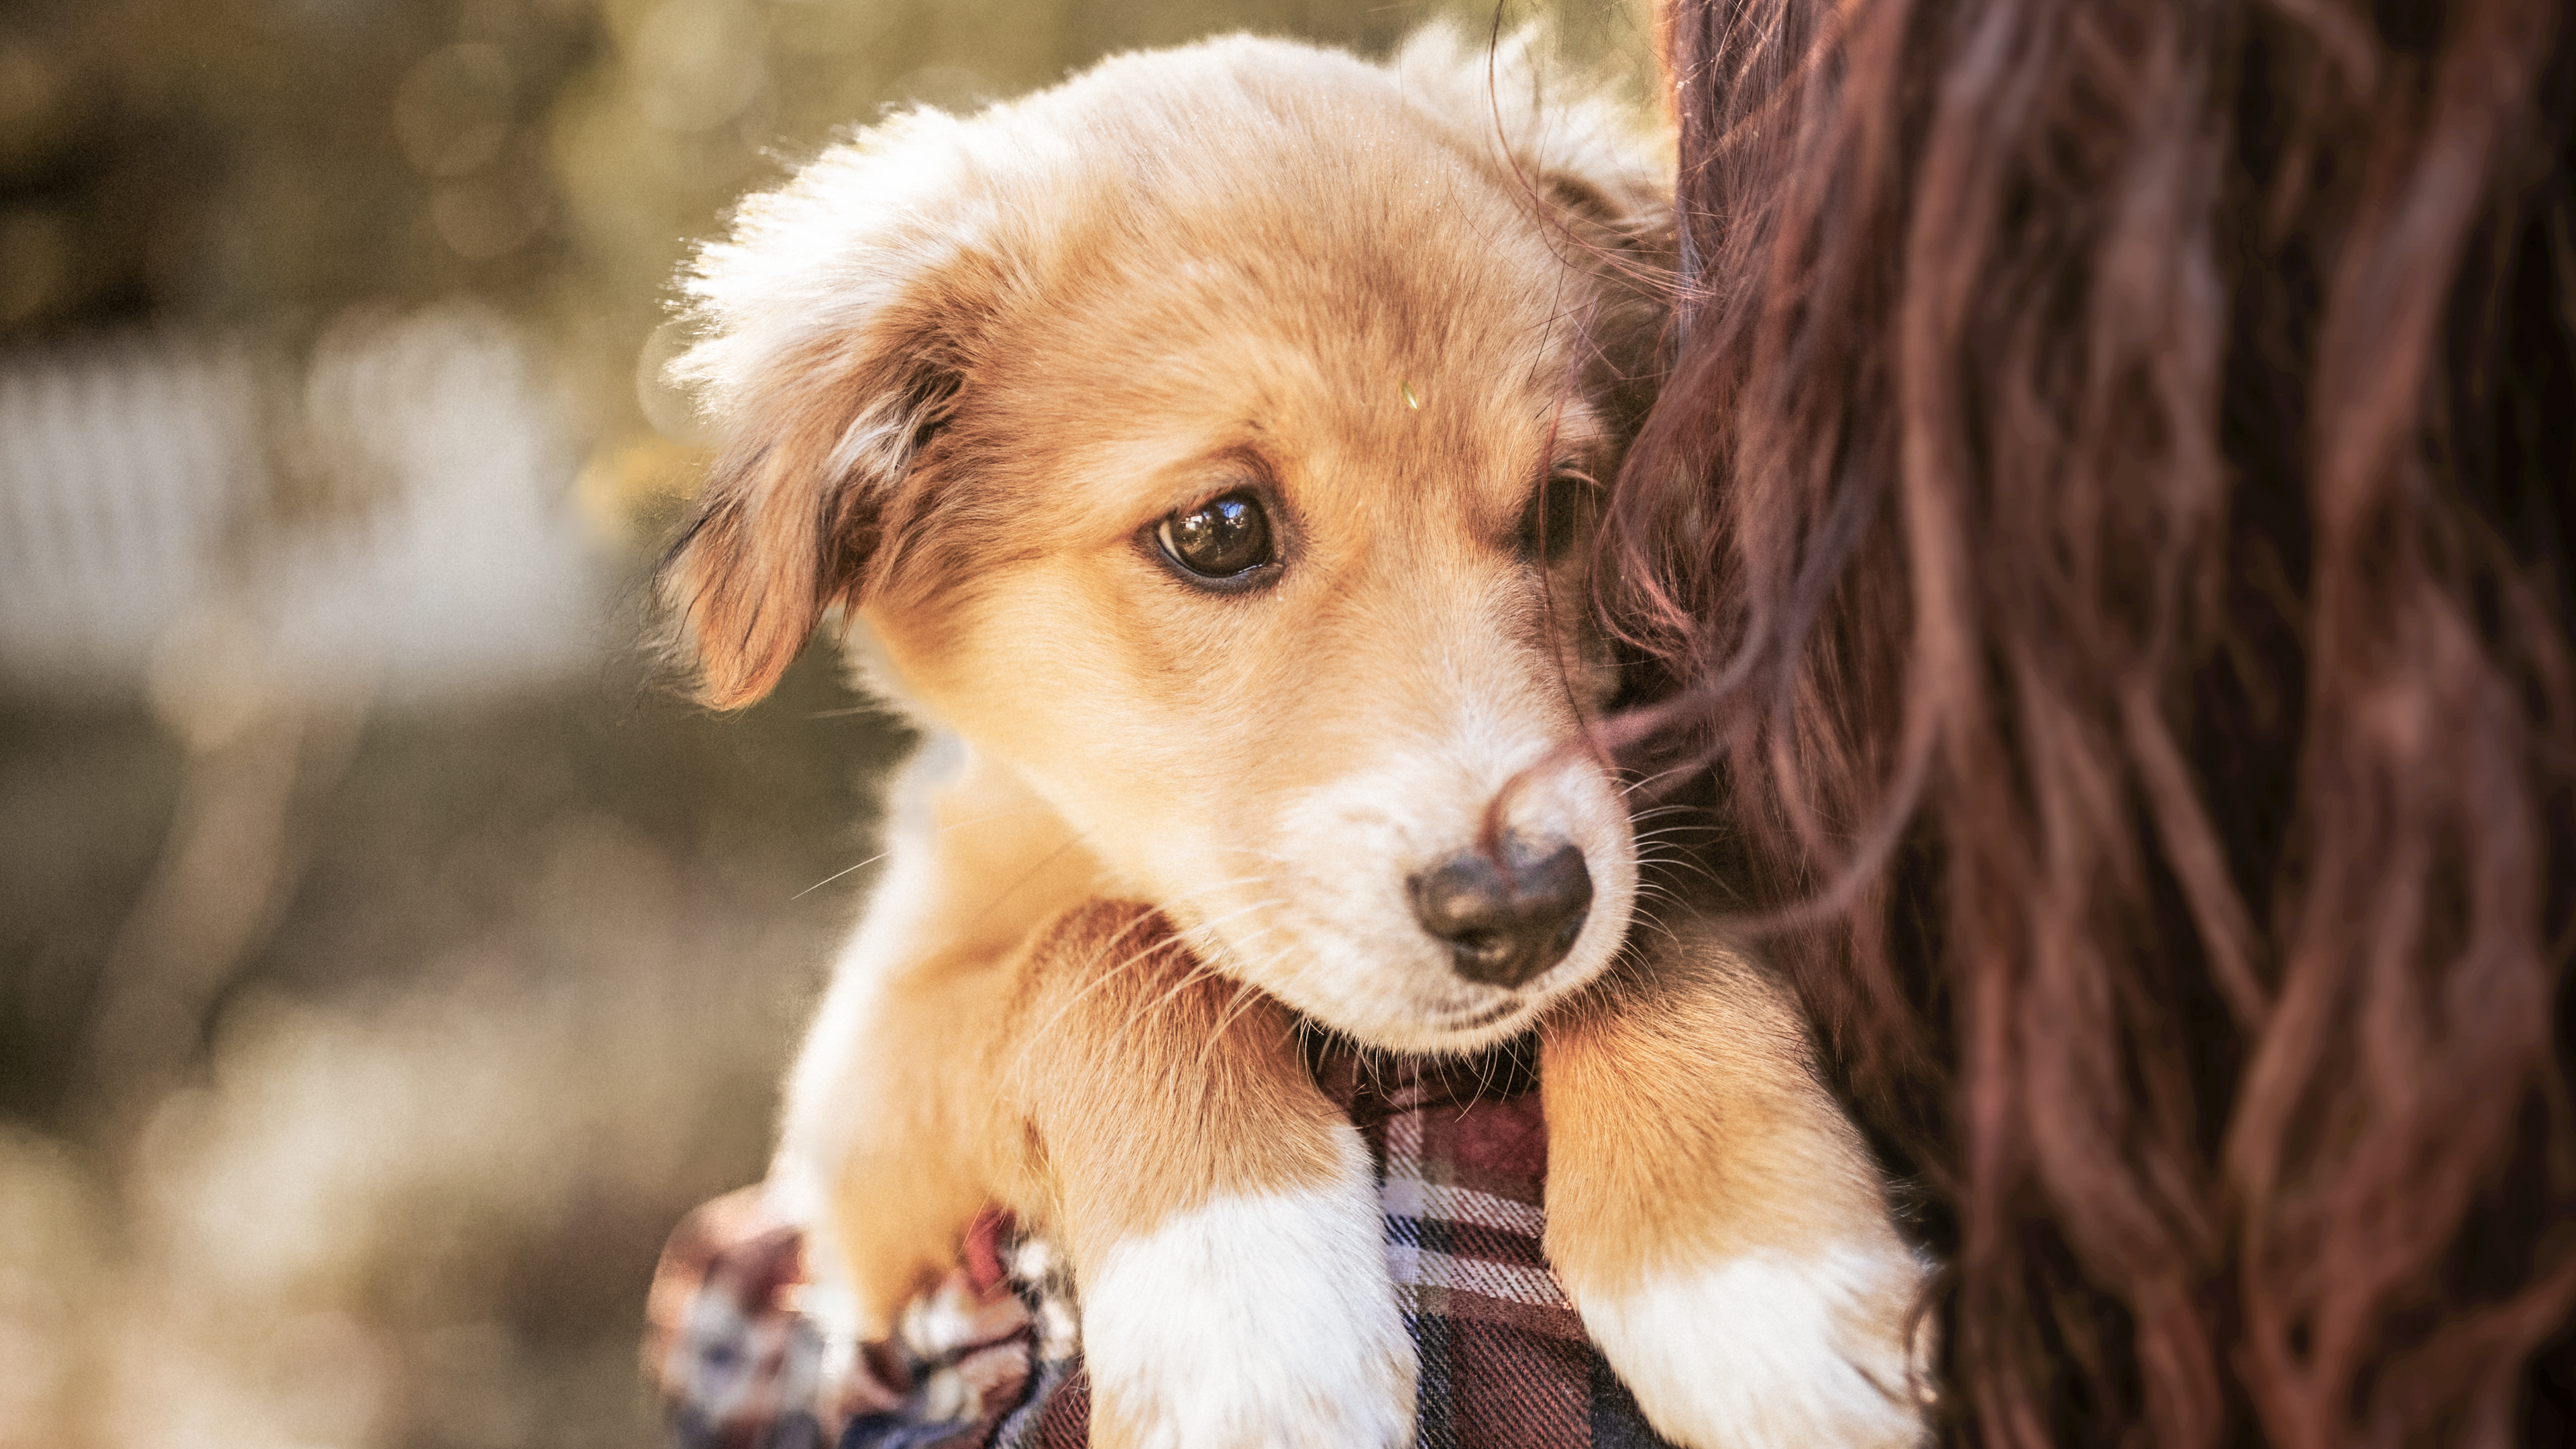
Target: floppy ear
(809, 483)
(834, 322)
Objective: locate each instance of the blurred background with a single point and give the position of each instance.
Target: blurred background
(385, 962)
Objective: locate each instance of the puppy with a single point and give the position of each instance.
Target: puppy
(1205, 451)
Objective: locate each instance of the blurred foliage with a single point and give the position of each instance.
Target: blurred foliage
(526, 1000)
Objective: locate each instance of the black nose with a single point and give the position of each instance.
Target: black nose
(1505, 923)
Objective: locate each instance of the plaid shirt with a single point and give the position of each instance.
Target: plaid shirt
(989, 1359)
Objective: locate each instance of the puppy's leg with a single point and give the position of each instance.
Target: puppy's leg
(888, 1186)
(1716, 1220)
(880, 1155)
(1222, 1216)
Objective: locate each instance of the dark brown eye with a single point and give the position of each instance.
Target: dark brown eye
(1220, 540)
(1555, 517)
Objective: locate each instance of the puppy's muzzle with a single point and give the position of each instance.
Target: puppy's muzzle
(1508, 920)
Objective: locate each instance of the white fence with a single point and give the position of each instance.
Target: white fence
(390, 516)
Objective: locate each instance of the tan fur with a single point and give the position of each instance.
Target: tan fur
(1686, 1122)
(961, 369)
(1099, 1049)
(1685, 1119)
(1065, 1080)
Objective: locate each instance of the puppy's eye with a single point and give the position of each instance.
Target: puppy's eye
(1219, 540)
(1556, 516)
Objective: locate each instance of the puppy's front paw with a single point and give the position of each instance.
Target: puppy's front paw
(1771, 1350)
(1260, 1321)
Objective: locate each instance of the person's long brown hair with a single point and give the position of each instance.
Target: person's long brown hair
(2106, 537)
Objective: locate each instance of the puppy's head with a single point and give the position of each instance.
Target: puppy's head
(1214, 438)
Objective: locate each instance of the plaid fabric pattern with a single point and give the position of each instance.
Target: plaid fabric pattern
(989, 1359)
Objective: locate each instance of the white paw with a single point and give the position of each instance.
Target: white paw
(1771, 1350)
(1254, 1322)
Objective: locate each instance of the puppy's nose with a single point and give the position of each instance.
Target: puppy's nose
(1505, 923)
